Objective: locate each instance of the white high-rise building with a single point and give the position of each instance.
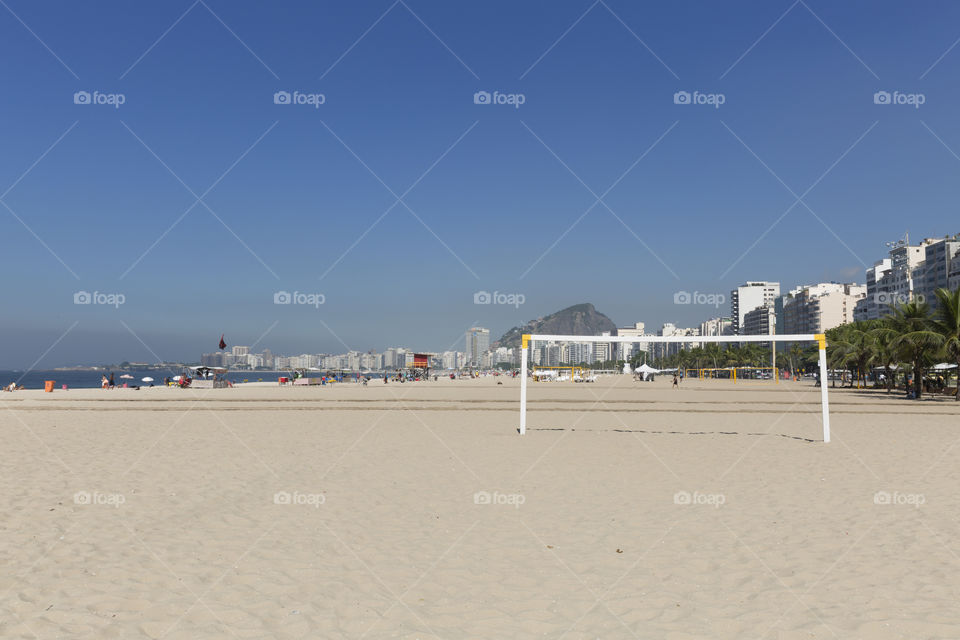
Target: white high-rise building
(748, 297)
(240, 351)
(761, 321)
(868, 309)
(941, 261)
(902, 282)
(905, 275)
(603, 351)
(390, 358)
(816, 308)
(503, 354)
(368, 361)
(478, 343)
(628, 349)
(579, 353)
(450, 360)
(664, 349)
(716, 327)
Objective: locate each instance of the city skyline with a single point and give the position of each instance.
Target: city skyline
(911, 272)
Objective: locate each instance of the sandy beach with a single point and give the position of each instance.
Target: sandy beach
(629, 510)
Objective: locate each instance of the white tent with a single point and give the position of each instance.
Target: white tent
(646, 371)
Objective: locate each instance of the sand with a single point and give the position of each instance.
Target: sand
(629, 510)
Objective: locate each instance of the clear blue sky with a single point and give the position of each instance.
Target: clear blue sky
(295, 187)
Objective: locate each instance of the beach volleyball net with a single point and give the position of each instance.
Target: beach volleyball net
(548, 373)
(733, 374)
(528, 340)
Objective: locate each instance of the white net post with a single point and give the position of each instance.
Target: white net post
(824, 375)
(523, 384)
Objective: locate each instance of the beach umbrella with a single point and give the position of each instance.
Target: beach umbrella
(147, 379)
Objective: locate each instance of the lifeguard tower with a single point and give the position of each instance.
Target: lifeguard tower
(420, 368)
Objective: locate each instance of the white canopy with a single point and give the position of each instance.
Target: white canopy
(213, 369)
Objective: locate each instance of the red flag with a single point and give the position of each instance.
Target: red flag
(223, 345)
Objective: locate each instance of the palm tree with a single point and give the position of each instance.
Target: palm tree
(856, 349)
(915, 341)
(793, 354)
(711, 352)
(947, 324)
(884, 352)
(837, 350)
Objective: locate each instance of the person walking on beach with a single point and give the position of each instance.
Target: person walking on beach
(676, 382)
(104, 383)
(111, 382)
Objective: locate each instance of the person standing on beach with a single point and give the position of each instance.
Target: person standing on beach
(111, 382)
(676, 382)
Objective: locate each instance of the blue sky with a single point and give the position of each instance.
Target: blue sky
(298, 198)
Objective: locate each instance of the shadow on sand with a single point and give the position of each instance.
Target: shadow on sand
(681, 433)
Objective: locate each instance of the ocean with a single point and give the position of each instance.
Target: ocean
(91, 379)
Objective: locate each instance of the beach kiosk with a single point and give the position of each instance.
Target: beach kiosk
(209, 378)
(420, 369)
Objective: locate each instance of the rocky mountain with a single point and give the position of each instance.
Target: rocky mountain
(578, 320)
